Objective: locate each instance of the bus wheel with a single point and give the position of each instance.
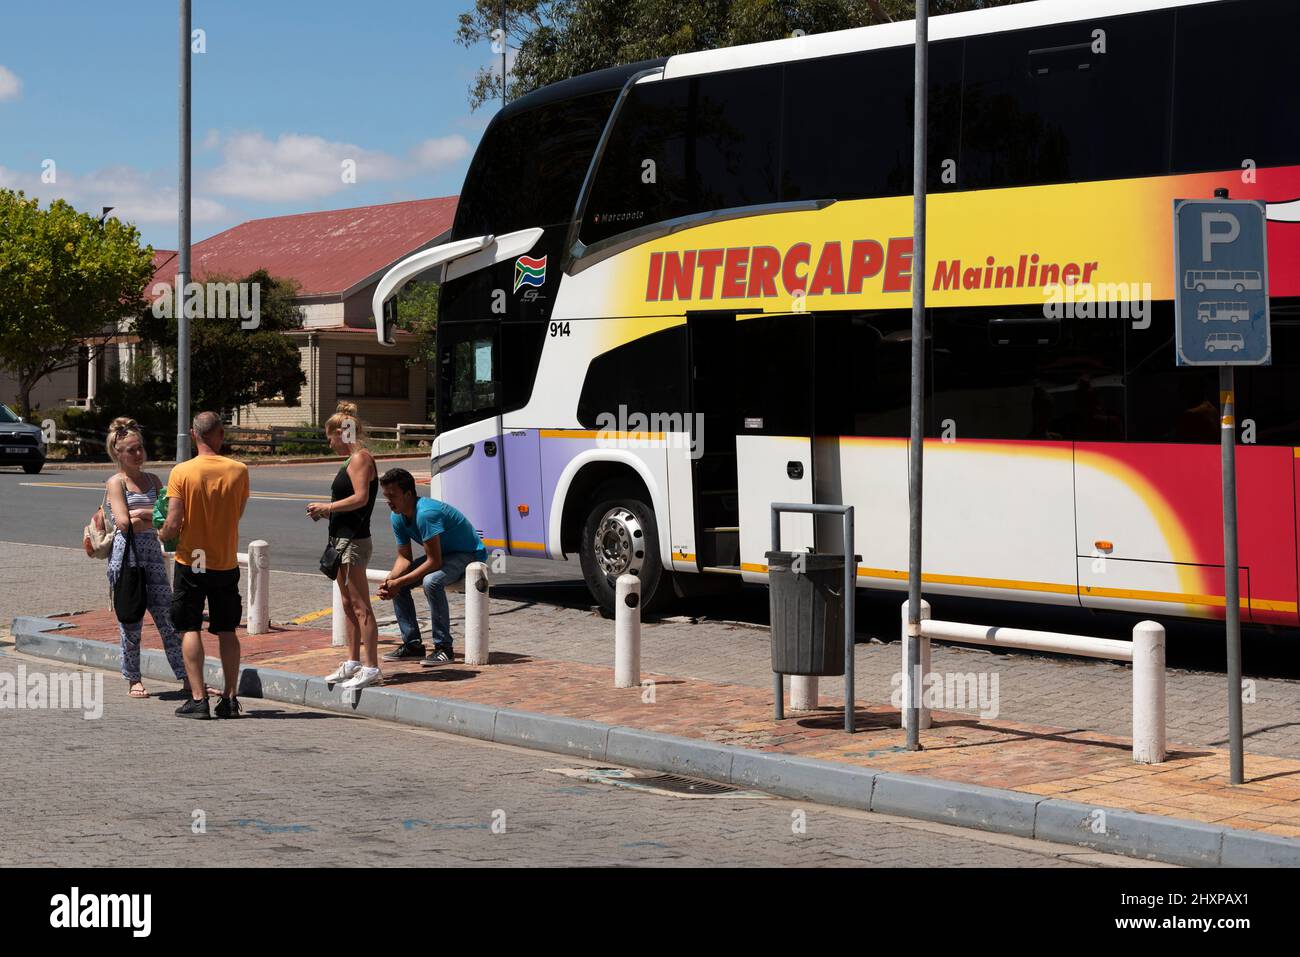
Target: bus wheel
(620, 537)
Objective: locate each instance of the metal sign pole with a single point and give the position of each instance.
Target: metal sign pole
(1221, 275)
(1228, 444)
(921, 113)
(183, 251)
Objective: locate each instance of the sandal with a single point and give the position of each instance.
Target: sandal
(137, 692)
(185, 689)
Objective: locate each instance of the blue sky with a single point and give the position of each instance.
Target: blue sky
(287, 91)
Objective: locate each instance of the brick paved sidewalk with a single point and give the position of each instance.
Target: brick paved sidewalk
(1069, 763)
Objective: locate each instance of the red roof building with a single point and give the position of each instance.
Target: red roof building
(337, 257)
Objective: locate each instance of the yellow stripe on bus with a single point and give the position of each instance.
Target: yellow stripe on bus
(1259, 604)
(523, 546)
(589, 434)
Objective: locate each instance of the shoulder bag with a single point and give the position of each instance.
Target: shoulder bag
(130, 593)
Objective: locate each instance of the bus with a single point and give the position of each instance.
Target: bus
(1238, 280)
(679, 291)
(1233, 312)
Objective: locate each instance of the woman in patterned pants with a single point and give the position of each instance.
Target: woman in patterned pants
(131, 495)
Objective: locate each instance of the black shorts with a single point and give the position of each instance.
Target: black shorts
(221, 591)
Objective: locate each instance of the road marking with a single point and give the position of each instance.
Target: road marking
(267, 496)
(323, 613)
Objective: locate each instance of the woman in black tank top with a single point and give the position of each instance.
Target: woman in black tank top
(352, 500)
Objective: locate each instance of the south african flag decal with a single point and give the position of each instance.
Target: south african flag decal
(529, 272)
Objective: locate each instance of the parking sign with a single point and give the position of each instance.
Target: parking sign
(1221, 268)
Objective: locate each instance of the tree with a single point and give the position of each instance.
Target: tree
(231, 366)
(417, 312)
(557, 39)
(66, 279)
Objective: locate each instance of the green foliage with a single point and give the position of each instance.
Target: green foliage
(231, 366)
(151, 403)
(417, 312)
(557, 39)
(65, 281)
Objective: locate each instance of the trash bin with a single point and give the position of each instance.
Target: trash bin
(807, 613)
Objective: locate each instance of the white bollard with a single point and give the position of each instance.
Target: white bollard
(259, 588)
(912, 682)
(476, 614)
(339, 617)
(1148, 692)
(803, 692)
(627, 632)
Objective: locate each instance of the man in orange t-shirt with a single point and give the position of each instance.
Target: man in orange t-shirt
(205, 501)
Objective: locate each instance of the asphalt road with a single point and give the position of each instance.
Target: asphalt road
(288, 786)
(51, 509)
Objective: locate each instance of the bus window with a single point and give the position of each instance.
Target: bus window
(848, 123)
(1166, 403)
(1267, 395)
(530, 167)
(521, 350)
(775, 385)
(1224, 116)
(1062, 385)
(681, 147)
(645, 376)
(864, 371)
(1028, 120)
(470, 380)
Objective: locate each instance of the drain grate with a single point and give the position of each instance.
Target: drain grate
(674, 785)
(679, 785)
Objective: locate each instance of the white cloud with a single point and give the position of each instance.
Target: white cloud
(10, 85)
(293, 167)
(442, 151)
(137, 196)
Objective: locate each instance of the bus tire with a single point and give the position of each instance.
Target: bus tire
(619, 536)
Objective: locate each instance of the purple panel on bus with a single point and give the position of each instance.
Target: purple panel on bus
(474, 487)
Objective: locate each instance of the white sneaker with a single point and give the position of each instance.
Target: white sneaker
(364, 678)
(343, 672)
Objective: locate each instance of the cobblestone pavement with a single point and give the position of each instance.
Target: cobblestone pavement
(291, 786)
(1068, 693)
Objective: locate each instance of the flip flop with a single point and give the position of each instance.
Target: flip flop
(133, 692)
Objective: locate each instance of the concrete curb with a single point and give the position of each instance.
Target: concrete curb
(1112, 830)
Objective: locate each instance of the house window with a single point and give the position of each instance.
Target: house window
(371, 377)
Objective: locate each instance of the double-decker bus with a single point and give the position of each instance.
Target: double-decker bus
(679, 291)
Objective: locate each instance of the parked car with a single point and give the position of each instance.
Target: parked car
(20, 443)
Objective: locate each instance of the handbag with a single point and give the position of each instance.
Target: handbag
(130, 591)
(97, 537)
(160, 507)
(330, 560)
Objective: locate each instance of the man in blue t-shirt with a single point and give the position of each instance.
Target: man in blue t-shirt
(448, 543)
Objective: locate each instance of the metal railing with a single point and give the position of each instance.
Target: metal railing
(1146, 653)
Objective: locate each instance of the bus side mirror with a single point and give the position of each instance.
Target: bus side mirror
(390, 321)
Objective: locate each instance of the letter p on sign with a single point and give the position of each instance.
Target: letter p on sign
(1209, 236)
